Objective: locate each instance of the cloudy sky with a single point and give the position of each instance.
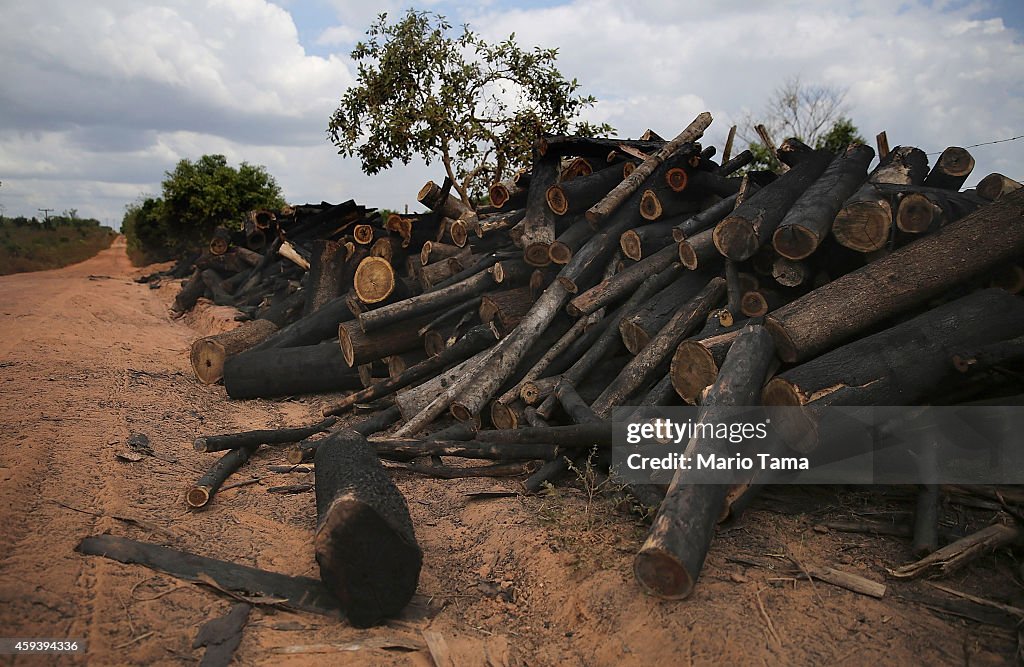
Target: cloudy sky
(98, 99)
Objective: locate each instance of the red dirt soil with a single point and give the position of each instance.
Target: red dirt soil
(88, 358)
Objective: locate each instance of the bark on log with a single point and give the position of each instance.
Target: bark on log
(288, 371)
(653, 359)
(976, 358)
(696, 362)
(698, 252)
(905, 165)
(904, 364)
(621, 284)
(927, 211)
(475, 340)
(995, 185)
(638, 328)
(280, 436)
(440, 389)
(506, 195)
(407, 449)
(312, 329)
(202, 492)
(220, 242)
(190, 292)
(213, 281)
(359, 347)
(600, 211)
(431, 196)
(323, 282)
(754, 221)
(952, 557)
(704, 220)
(809, 222)
(569, 241)
(365, 544)
(832, 313)
(208, 354)
(951, 169)
(735, 163)
(539, 223)
(579, 194)
(426, 303)
(662, 202)
(672, 557)
(592, 146)
(643, 241)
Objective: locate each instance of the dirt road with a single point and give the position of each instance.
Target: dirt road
(88, 358)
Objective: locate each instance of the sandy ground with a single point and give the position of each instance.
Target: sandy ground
(89, 358)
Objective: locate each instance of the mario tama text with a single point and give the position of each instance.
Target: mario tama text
(829, 445)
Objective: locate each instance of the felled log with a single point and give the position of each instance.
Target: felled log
(324, 280)
(640, 326)
(220, 241)
(810, 219)
(739, 235)
(790, 272)
(311, 329)
(359, 347)
(600, 211)
(900, 365)
(925, 211)
(382, 419)
(505, 306)
(698, 252)
(190, 292)
(760, 302)
(294, 254)
(208, 354)
(213, 284)
(433, 197)
(864, 222)
(696, 361)
(428, 302)
(671, 558)
(435, 395)
(641, 242)
(406, 449)
(654, 357)
(704, 220)
(219, 443)
(952, 168)
(286, 371)
(538, 226)
(364, 543)
(735, 163)
(982, 357)
(994, 186)
(506, 194)
(909, 276)
(579, 194)
(662, 202)
(569, 241)
(904, 165)
(617, 286)
(592, 146)
(202, 492)
(475, 340)
(952, 557)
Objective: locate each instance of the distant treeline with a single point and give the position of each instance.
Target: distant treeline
(30, 244)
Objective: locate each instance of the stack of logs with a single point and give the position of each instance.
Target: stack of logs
(622, 272)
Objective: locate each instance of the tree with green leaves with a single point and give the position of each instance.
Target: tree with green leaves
(426, 89)
(815, 114)
(197, 197)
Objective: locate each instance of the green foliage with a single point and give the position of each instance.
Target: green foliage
(196, 198)
(34, 245)
(426, 89)
(842, 133)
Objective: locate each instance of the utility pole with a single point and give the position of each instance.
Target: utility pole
(45, 212)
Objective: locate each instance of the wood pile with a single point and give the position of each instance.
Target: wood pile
(612, 273)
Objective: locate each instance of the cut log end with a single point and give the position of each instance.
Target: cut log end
(916, 213)
(374, 280)
(199, 444)
(503, 417)
(754, 304)
(687, 256)
(736, 238)
(354, 545)
(633, 336)
(692, 369)
(197, 496)
(863, 226)
(784, 345)
(457, 230)
(559, 253)
(632, 246)
(499, 194)
(676, 179)
(536, 254)
(207, 357)
(650, 205)
(660, 573)
(557, 201)
(363, 234)
(795, 242)
(218, 246)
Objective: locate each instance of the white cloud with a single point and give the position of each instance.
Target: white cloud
(98, 99)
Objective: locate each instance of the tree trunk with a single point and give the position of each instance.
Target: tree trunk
(790, 273)
(653, 359)
(539, 223)
(323, 282)
(834, 312)
(310, 369)
(190, 292)
(754, 221)
(213, 282)
(576, 196)
(406, 449)
(994, 186)
(359, 347)
(621, 284)
(600, 211)
(208, 354)
(639, 327)
(670, 561)
(365, 544)
(951, 169)
(426, 303)
(706, 219)
(220, 443)
(809, 221)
